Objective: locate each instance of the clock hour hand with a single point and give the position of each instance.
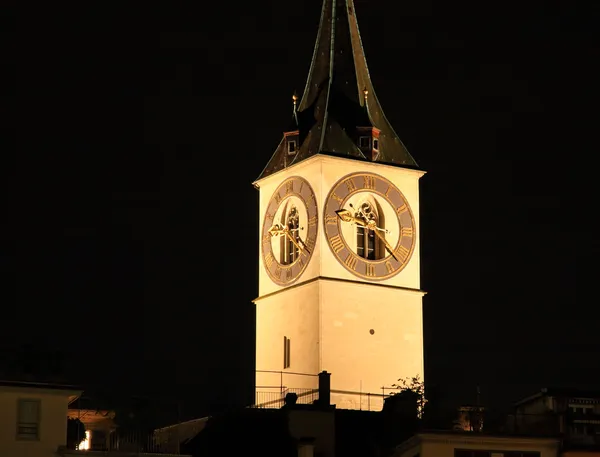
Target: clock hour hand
(278, 230)
(347, 216)
(295, 242)
(369, 223)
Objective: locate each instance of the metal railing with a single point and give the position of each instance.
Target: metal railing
(276, 398)
(138, 442)
(362, 401)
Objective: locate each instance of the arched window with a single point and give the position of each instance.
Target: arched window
(368, 244)
(289, 250)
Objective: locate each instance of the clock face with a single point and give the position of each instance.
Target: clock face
(369, 226)
(289, 230)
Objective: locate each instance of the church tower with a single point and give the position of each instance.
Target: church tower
(339, 284)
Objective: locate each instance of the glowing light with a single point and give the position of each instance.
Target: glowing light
(86, 443)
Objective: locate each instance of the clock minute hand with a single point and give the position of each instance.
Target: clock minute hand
(294, 241)
(387, 245)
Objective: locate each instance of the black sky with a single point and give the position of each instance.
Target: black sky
(134, 133)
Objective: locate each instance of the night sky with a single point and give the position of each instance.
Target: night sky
(129, 238)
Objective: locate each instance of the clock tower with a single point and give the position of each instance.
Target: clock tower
(339, 270)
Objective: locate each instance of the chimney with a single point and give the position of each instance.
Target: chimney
(324, 388)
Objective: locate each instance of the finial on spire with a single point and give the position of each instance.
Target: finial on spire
(295, 99)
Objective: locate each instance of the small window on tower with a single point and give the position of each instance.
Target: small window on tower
(291, 146)
(376, 144)
(365, 142)
(286, 352)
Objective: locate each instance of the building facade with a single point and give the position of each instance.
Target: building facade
(573, 414)
(470, 444)
(339, 270)
(33, 418)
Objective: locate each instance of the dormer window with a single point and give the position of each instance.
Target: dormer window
(291, 144)
(365, 142)
(368, 141)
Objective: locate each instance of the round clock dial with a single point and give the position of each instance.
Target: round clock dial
(369, 226)
(289, 230)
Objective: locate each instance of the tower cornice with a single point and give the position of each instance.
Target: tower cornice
(350, 281)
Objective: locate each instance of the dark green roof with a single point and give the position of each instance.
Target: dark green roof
(333, 104)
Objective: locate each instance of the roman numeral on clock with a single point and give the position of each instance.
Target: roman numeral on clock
(370, 270)
(269, 259)
(369, 182)
(350, 184)
(289, 187)
(402, 209)
(402, 253)
(331, 220)
(340, 200)
(336, 242)
(406, 231)
(351, 261)
(312, 221)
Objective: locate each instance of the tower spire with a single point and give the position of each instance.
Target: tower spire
(338, 89)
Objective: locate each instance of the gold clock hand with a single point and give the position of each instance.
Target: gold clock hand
(293, 240)
(387, 245)
(369, 222)
(347, 216)
(276, 230)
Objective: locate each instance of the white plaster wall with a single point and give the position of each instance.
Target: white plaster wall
(358, 360)
(327, 321)
(53, 422)
(294, 314)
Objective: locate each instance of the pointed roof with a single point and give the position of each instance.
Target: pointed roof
(333, 104)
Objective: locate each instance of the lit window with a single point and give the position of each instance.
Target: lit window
(289, 249)
(291, 146)
(28, 420)
(86, 444)
(365, 142)
(376, 144)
